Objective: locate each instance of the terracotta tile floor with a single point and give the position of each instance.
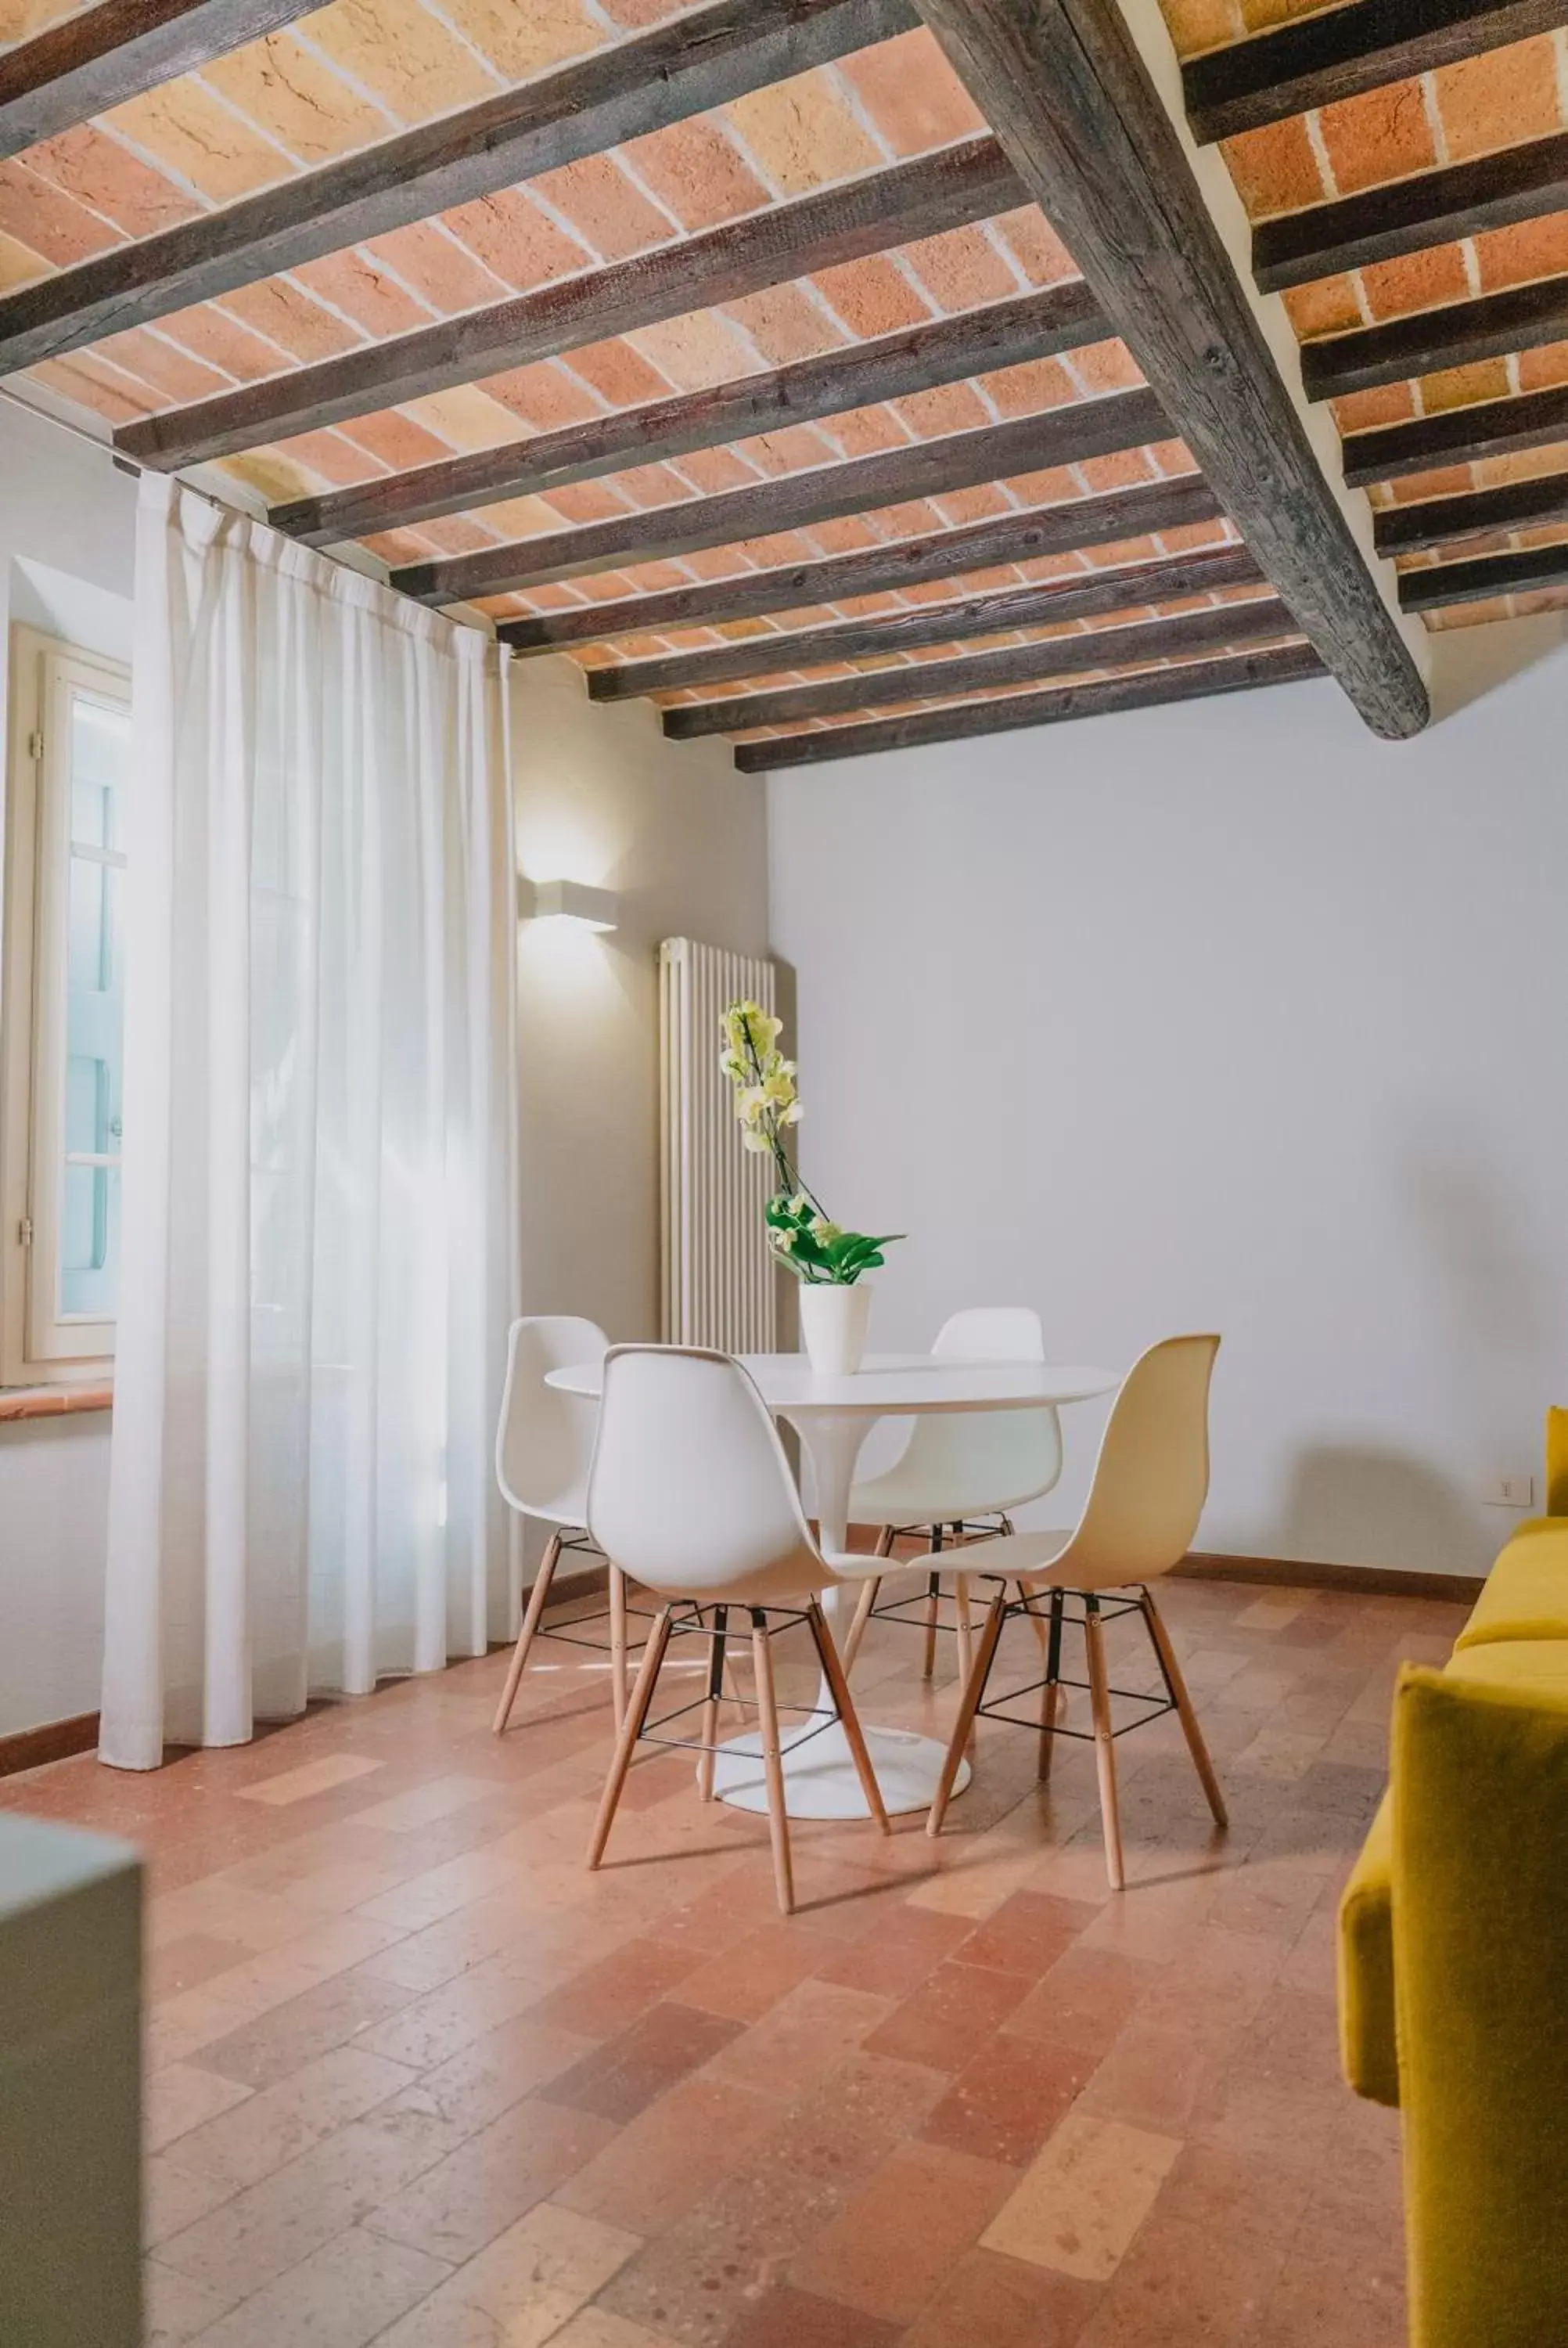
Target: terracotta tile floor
(417, 2078)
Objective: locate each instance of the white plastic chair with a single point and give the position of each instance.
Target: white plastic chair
(543, 1448)
(692, 1495)
(1151, 1481)
(958, 1465)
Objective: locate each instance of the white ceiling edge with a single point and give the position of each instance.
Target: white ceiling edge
(73, 609)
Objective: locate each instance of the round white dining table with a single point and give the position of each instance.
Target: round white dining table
(833, 1417)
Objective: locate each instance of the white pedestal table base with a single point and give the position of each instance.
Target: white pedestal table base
(819, 1776)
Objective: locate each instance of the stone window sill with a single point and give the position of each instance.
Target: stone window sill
(54, 1402)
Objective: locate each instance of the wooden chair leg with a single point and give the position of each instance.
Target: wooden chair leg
(630, 1730)
(968, 1707)
(538, 1598)
(832, 1672)
(706, 1765)
(864, 1605)
(1184, 1703)
(885, 1538)
(773, 1760)
(1105, 1748)
(966, 1642)
(1051, 1695)
(619, 1674)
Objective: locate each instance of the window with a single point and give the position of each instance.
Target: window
(61, 1003)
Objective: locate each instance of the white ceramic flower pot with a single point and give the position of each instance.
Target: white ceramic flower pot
(832, 1326)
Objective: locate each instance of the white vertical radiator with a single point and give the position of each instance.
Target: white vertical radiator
(719, 1285)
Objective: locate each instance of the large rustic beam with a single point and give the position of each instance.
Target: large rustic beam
(1124, 589)
(1149, 689)
(985, 671)
(1033, 326)
(621, 91)
(1458, 436)
(106, 53)
(958, 461)
(1439, 521)
(896, 205)
(1521, 319)
(1446, 583)
(1459, 199)
(1069, 95)
(1121, 517)
(1339, 53)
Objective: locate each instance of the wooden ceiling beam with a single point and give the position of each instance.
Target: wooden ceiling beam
(619, 92)
(1050, 605)
(958, 461)
(1439, 521)
(1064, 86)
(1118, 517)
(1206, 631)
(1443, 584)
(104, 55)
(1459, 199)
(1522, 318)
(917, 358)
(1148, 689)
(1458, 436)
(897, 204)
(1343, 52)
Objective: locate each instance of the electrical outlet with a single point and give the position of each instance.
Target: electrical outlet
(1511, 1491)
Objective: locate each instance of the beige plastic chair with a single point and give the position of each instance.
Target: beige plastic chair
(692, 1495)
(543, 1447)
(1151, 1481)
(957, 1466)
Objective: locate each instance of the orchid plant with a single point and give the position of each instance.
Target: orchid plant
(767, 1106)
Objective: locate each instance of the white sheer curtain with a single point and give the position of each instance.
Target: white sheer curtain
(319, 1205)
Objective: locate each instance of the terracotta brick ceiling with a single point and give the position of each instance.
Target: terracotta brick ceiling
(1479, 107)
(336, 83)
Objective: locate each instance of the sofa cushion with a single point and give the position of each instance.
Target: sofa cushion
(1367, 2048)
(1557, 1462)
(1526, 1592)
(1541, 1664)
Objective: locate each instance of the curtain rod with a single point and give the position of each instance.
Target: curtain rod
(221, 505)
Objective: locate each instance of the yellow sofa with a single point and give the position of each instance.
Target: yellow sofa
(1453, 1954)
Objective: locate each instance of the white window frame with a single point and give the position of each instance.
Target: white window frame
(38, 1344)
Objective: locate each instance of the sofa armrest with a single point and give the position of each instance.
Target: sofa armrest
(1480, 1943)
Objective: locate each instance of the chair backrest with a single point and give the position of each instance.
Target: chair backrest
(689, 1491)
(984, 1460)
(545, 1439)
(990, 1333)
(1151, 1476)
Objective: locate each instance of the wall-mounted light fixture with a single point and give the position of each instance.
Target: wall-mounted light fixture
(568, 901)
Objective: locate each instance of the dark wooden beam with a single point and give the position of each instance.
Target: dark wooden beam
(1517, 183)
(1123, 516)
(985, 671)
(1444, 583)
(103, 54)
(1064, 86)
(1033, 326)
(968, 181)
(1052, 604)
(1521, 319)
(1458, 436)
(1439, 521)
(1338, 53)
(621, 91)
(1150, 689)
(1030, 444)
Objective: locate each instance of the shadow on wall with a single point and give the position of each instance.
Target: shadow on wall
(1345, 1502)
